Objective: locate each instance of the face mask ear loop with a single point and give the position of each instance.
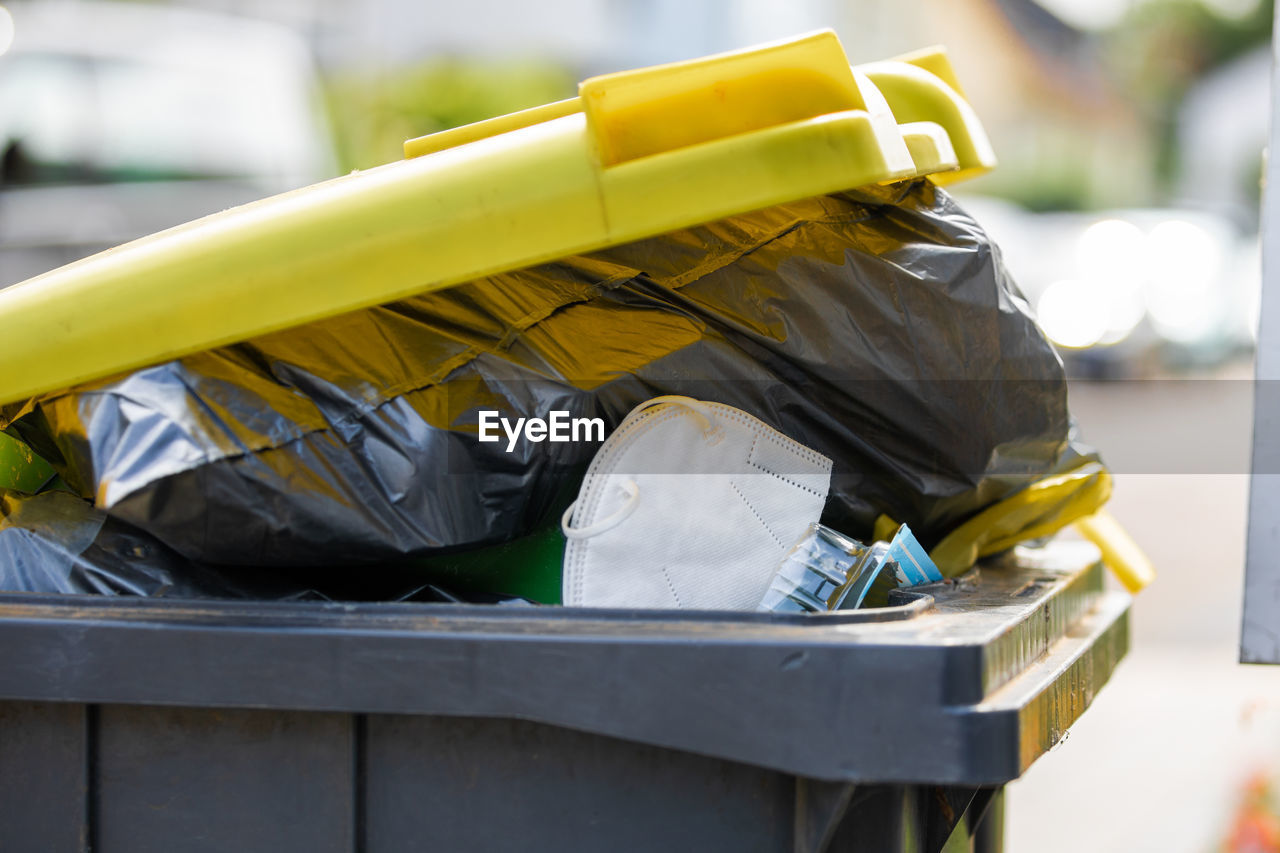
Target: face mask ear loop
(612, 521)
(701, 410)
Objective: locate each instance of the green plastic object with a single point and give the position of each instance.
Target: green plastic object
(21, 470)
(528, 567)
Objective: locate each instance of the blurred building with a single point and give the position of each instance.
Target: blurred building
(121, 119)
(1222, 131)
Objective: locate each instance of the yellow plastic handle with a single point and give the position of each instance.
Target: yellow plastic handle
(919, 95)
(634, 114)
(635, 155)
(1119, 551)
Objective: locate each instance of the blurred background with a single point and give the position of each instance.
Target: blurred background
(1131, 137)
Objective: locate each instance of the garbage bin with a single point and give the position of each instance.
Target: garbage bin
(176, 725)
(151, 725)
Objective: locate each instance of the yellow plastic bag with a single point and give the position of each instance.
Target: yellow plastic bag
(1042, 509)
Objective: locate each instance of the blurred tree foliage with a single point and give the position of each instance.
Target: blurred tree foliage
(1066, 186)
(1162, 47)
(374, 114)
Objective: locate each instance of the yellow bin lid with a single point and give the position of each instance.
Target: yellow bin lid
(636, 154)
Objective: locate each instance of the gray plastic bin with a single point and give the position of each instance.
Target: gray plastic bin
(172, 726)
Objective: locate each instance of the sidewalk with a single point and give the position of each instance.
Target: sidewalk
(1159, 761)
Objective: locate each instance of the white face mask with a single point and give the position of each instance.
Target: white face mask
(689, 505)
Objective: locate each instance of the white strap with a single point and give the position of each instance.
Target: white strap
(700, 410)
(612, 521)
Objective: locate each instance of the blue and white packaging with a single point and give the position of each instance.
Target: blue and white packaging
(826, 570)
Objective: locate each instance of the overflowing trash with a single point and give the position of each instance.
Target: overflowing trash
(863, 353)
(876, 327)
(690, 505)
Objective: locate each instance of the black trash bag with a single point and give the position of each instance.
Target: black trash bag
(876, 326)
(57, 543)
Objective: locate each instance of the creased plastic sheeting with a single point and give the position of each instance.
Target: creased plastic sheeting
(878, 327)
(56, 542)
